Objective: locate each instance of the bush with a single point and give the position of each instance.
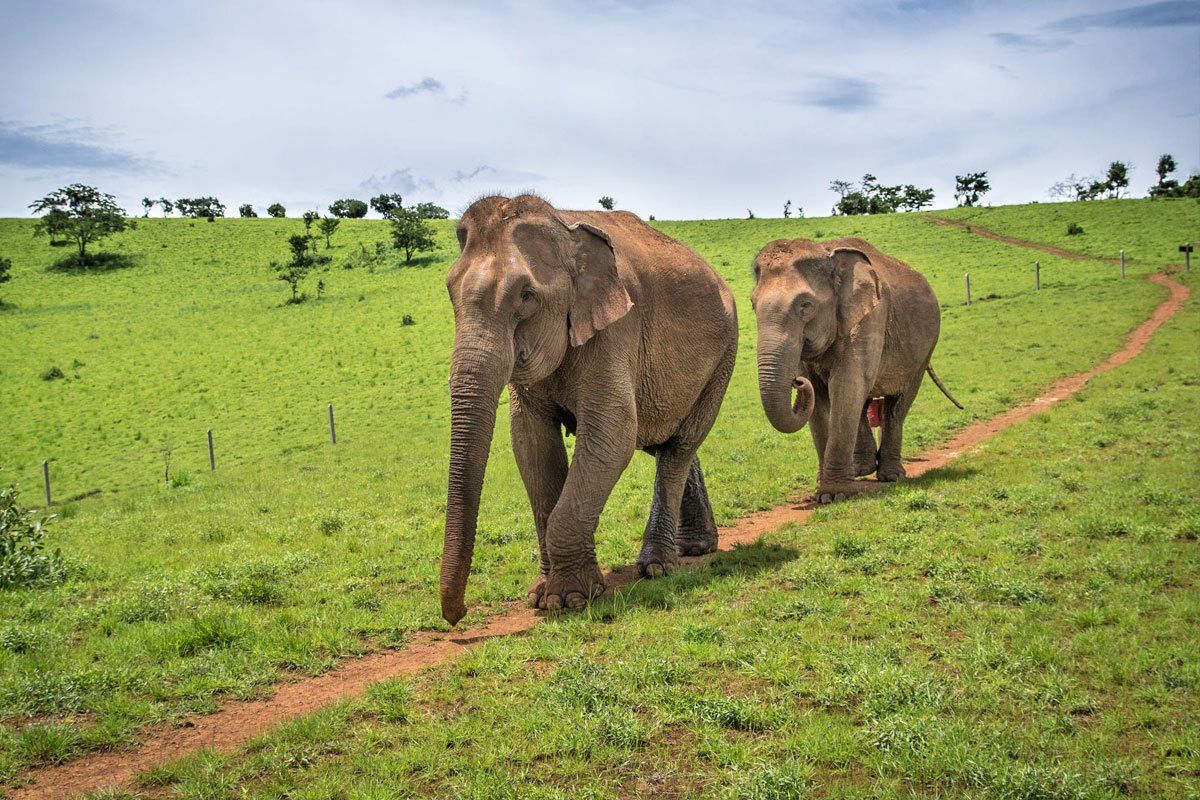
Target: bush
(370, 258)
(246, 210)
(53, 374)
(23, 560)
(277, 210)
(1074, 229)
(407, 320)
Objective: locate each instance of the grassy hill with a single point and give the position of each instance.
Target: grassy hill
(295, 553)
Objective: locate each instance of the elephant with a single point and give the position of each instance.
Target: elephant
(843, 324)
(605, 328)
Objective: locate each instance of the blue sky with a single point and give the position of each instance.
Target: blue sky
(678, 109)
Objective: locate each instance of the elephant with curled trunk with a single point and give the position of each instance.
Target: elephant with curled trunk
(842, 324)
(602, 326)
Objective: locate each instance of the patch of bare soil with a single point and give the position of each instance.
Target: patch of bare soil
(240, 721)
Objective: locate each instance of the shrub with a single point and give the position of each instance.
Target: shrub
(53, 374)
(371, 258)
(1074, 229)
(277, 210)
(5, 270)
(23, 560)
(607, 203)
(407, 320)
(247, 210)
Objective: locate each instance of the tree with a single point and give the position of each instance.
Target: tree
(1074, 187)
(607, 203)
(787, 209)
(410, 232)
(431, 211)
(853, 202)
(385, 204)
(969, 188)
(82, 214)
(277, 210)
(246, 210)
(166, 205)
(1166, 186)
(914, 199)
(327, 226)
(5, 270)
(841, 187)
(198, 207)
(1117, 179)
(147, 204)
(749, 214)
(1166, 165)
(309, 218)
(349, 208)
(296, 270)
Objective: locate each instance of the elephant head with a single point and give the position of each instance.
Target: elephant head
(525, 289)
(807, 300)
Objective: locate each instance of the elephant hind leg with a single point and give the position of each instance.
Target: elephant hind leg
(866, 456)
(659, 554)
(681, 519)
(895, 409)
(697, 526)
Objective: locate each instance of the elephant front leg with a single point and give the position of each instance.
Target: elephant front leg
(542, 460)
(659, 550)
(574, 577)
(846, 400)
(697, 526)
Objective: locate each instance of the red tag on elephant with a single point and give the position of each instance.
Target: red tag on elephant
(875, 412)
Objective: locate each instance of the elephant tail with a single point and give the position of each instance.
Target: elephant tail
(938, 382)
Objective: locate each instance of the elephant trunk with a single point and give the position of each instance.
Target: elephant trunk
(779, 356)
(478, 373)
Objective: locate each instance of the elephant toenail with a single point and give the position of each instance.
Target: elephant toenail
(576, 600)
(553, 603)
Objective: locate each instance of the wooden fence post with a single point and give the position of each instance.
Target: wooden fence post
(46, 479)
(1122, 263)
(968, 281)
(332, 429)
(1037, 277)
(212, 459)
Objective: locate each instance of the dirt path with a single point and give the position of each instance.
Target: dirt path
(240, 721)
(1047, 248)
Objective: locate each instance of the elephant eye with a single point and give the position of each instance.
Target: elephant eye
(527, 295)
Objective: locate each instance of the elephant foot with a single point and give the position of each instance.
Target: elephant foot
(656, 560)
(864, 468)
(889, 473)
(697, 541)
(833, 492)
(566, 588)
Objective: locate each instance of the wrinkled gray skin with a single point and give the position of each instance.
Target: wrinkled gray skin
(841, 323)
(600, 325)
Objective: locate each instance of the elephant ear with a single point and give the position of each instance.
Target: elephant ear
(858, 292)
(600, 297)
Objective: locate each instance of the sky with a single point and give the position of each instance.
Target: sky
(676, 109)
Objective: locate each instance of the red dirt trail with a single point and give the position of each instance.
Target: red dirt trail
(240, 721)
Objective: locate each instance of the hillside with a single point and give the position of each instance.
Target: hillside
(295, 553)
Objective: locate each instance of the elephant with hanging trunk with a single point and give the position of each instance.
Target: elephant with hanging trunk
(844, 326)
(602, 326)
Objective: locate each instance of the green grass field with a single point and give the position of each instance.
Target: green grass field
(295, 553)
(1023, 625)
